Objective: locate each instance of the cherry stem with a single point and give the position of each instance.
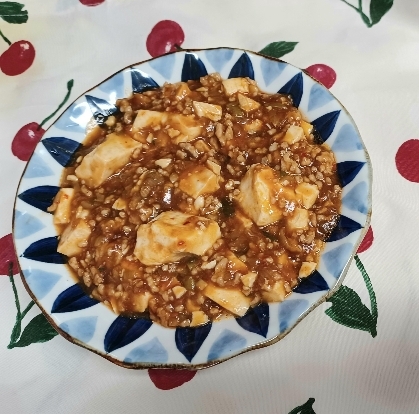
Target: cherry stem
(364, 17)
(371, 293)
(14, 289)
(178, 48)
(5, 38)
(70, 84)
(19, 314)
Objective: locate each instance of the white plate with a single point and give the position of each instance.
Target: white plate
(139, 343)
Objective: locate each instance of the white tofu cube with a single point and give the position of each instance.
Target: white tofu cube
(254, 126)
(210, 111)
(307, 193)
(244, 221)
(191, 306)
(276, 294)
(249, 279)
(149, 119)
(198, 180)
(63, 210)
(106, 159)
(233, 85)
(231, 299)
(307, 268)
(163, 162)
(201, 146)
(234, 263)
(247, 104)
(257, 190)
(178, 291)
(182, 91)
(214, 167)
(140, 301)
(198, 318)
(294, 134)
(189, 127)
(173, 235)
(119, 204)
(307, 128)
(74, 237)
(298, 219)
(201, 284)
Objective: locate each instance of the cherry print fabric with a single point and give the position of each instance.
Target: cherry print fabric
(355, 353)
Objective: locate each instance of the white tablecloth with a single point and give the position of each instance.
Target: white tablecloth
(345, 370)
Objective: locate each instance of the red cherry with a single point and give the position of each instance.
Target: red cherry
(367, 241)
(91, 3)
(17, 58)
(166, 379)
(7, 255)
(407, 160)
(26, 139)
(164, 37)
(30, 134)
(323, 73)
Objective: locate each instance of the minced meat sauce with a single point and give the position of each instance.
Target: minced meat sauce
(197, 200)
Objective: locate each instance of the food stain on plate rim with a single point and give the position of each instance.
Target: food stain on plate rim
(92, 325)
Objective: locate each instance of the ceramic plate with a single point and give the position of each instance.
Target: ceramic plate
(140, 343)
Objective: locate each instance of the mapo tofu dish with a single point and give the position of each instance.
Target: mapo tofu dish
(196, 201)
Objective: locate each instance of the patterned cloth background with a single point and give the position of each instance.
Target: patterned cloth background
(358, 353)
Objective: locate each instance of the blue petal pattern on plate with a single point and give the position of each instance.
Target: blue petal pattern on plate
(40, 281)
(314, 283)
(347, 140)
(75, 118)
(219, 60)
(141, 81)
(45, 250)
(348, 170)
(193, 68)
(150, 352)
(40, 197)
(100, 108)
(164, 65)
(226, 344)
(38, 168)
(81, 328)
(325, 124)
(271, 70)
(243, 68)
(336, 259)
(61, 149)
(344, 227)
(125, 330)
(189, 340)
(319, 96)
(356, 199)
(72, 299)
(290, 311)
(26, 224)
(73, 309)
(294, 87)
(113, 87)
(256, 320)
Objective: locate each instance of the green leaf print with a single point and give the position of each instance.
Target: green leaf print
(306, 408)
(37, 330)
(348, 309)
(278, 49)
(13, 12)
(378, 8)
